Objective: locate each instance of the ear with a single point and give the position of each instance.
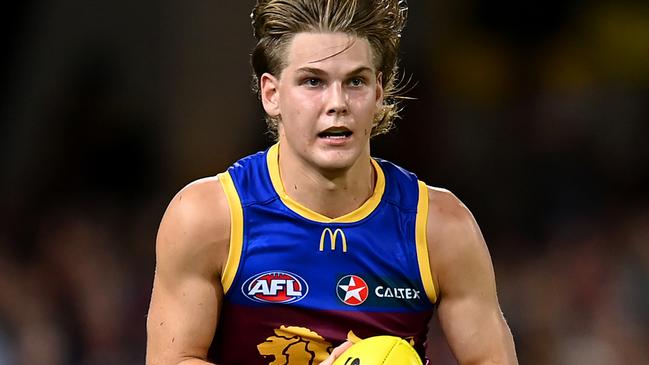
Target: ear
(379, 89)
(269, 92)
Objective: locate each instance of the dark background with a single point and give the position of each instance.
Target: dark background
(536, 114)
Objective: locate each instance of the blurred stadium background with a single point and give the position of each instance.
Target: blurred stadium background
(536, 114)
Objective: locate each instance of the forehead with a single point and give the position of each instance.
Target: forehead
(329, 50)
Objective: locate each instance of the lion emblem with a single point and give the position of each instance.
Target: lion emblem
(295, 346)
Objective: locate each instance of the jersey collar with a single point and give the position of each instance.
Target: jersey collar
(272, 159)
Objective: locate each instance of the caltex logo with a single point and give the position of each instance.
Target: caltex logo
(352, 290)
(275, 287)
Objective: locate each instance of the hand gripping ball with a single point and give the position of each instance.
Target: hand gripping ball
(380, 350)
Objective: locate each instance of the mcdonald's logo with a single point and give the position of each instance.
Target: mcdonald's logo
(333, 237)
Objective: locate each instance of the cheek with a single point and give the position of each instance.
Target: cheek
(296, 105)
(367, 106)
(297, 112)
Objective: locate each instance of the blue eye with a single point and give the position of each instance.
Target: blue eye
(313, 82)
(357, 81)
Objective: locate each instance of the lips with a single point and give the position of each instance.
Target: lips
(335, 133)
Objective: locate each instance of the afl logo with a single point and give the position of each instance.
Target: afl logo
(275, 287)
(352, 290)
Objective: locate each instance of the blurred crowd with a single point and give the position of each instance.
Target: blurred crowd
(536, 116)
(582, 299)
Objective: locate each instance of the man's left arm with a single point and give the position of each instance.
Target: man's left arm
(468, 311)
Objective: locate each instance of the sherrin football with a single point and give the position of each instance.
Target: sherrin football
(380, 350)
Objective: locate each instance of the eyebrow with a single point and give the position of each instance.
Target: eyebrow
(317, 71)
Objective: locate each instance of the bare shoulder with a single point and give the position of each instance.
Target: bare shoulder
(468, 309)
(453, 236)
(191, 249)
(447, 215)
(195, 229)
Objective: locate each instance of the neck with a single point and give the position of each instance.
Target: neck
(332, 193)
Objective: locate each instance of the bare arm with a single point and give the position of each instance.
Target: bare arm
(191, 249)
(468, 310)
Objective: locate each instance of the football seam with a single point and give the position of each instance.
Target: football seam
(389, 352)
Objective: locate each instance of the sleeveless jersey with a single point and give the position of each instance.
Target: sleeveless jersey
(296, 283)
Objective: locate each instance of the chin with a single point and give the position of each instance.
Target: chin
(336, 160)
(334, 166)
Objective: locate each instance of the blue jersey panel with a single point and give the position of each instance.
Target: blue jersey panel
(323, 278)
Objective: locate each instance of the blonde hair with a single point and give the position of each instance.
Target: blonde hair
(275, 23)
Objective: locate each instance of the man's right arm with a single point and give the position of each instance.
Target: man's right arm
(191, 250)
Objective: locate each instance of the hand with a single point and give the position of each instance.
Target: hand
(337, 352)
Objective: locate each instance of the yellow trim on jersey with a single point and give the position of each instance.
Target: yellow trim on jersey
(358, 214)
(422, 243)
(236, 231)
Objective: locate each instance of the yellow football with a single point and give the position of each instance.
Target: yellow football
(380, 350)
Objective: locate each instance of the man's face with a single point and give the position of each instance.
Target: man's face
(326, 98)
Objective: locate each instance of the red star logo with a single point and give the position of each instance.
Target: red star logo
(352, 290)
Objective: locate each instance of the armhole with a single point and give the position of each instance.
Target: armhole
(236, 231)
(422, 243)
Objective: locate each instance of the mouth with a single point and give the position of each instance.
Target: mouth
(334, 133)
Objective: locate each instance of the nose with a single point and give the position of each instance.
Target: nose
(336, 99)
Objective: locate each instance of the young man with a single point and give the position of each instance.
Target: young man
(297, 248)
